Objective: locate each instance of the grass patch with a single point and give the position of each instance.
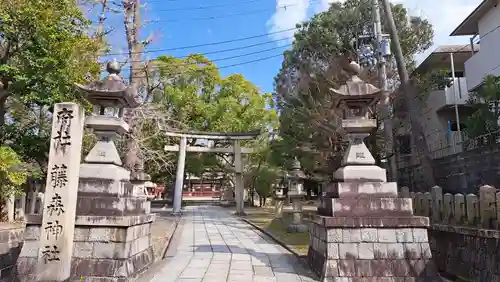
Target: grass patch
(264, 218)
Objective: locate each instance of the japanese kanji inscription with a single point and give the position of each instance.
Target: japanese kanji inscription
(58, 224)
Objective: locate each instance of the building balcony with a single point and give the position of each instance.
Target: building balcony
(456, 93)
(480, 65)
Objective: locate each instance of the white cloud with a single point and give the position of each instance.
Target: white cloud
(323, 5)
(286, 18)
(444, 15)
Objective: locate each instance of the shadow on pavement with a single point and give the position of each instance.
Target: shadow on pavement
(280, 263)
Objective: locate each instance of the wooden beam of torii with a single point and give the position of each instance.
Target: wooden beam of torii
(236, 150)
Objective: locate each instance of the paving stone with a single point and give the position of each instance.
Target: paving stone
(263, 271)
(217, 247)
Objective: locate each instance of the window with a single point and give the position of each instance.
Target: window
(403, 143)
(453, 126)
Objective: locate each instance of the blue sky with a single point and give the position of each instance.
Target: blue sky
(177, 23)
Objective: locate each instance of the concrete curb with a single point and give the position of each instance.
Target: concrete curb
(178, 221)
(153, 269)
(302, 259)
(273, 237)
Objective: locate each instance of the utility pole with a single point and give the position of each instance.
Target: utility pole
(381, 52)
(409, 93)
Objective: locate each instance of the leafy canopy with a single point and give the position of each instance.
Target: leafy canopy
(200, 99)
(486, 106)
(307, 120)
(45, 48)
(12, 173)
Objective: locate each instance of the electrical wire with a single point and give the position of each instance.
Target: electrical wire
(232, 5)
(226, 58)
(229, 66)
(207, 7)
(204, 44)
(482, 37)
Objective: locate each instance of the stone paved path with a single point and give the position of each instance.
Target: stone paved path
(216, 247)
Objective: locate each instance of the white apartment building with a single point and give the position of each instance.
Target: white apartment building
(483, 27)
(439, 115)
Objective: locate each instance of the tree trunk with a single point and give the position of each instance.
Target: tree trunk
(409, 95)
(132, 24)
(3, 101)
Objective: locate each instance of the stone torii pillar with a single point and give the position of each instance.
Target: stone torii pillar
(236, 150)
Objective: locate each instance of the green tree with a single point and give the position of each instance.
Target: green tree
(44, 49)
(311, 68)
(486, 105)
(193, 92)
(12, 175)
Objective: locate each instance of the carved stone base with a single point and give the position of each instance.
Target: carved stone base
(106, 248)
(375, 252)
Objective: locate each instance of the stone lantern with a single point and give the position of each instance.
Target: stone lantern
(106, 199)
(364, 208)
(109, 98)
(279, 198)
(296, 193)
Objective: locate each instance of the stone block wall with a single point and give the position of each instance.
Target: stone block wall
(107, 253)
(467, 253)
(462, 172)
(11, 243)
(371, 252)
(465, 232)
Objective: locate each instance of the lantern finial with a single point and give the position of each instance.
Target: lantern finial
(113, 67)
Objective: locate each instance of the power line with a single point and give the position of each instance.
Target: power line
(203, 45)
(498, 66)
(230, 15)
(223, 16)
(233, 65)
(228, 58)
(232, 5)
(482, 37)
(208, 7)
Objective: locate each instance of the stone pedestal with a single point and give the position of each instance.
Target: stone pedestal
(279, 202)
(364, 232)
(105, 248)
(297, 225)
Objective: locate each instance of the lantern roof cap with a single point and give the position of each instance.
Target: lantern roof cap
(296, 170)
(110, 88)
(296, 164)
(355, 92)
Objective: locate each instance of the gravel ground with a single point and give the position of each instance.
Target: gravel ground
(162, 230)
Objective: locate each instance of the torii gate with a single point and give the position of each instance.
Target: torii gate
(236, 150)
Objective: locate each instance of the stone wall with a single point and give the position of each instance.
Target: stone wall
(11, 243)
(465, 234)
(469, 254)
(466, 171)
(459, 173)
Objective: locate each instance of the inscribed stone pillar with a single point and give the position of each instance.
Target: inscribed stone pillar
(109, 239)
(58, 225)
